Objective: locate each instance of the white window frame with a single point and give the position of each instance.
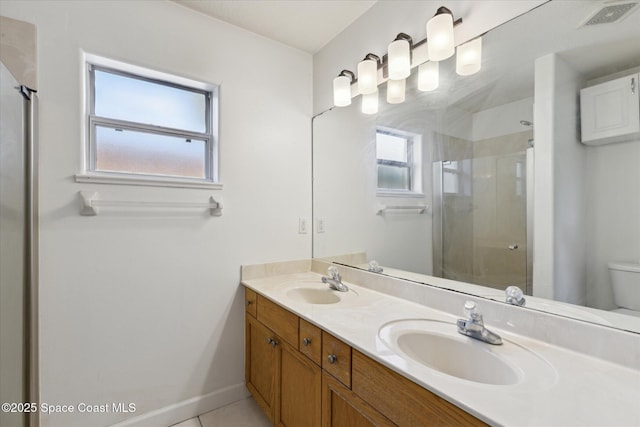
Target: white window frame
(90, 121)
(414, 164)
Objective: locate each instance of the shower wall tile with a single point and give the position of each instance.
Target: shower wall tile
(501, 145)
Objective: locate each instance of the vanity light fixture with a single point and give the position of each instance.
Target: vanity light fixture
(440, 43)
(396, 65)
(428, 76)
(370, 102)
(368, 74)
(342, 88)
(399, 57)
(395, 91)
(469, 57)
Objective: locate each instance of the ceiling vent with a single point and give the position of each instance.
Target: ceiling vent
(610, 12)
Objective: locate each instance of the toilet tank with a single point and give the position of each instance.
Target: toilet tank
(625, 278)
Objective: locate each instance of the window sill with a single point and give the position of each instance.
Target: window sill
(124, 179)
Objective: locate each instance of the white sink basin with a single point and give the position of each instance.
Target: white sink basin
(438, 346)
(314, 295)
(315, 292)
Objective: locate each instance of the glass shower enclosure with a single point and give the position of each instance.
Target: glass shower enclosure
(482, 200)
(17, 248)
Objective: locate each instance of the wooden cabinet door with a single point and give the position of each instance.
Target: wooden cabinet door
(342, 408)
(262, 359)
(300, 390)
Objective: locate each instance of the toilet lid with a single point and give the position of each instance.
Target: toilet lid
(625, 266)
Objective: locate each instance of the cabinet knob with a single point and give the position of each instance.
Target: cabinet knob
(272, 342)
(306, 341)
(249, 302)
(332, 358)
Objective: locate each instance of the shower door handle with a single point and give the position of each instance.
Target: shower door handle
(513, 246)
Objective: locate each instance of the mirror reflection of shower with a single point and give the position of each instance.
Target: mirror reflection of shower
(481, 199)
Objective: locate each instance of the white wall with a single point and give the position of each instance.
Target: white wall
(374, 30)
(613, 216)
(145, 307)
(345, 181)
(559, 195)
(503, 119)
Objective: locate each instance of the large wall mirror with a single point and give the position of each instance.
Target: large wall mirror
(484, 182)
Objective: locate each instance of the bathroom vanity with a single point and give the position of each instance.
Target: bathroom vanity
(301, 375)
(315, 356)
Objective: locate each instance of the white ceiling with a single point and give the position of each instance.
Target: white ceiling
(304, 24)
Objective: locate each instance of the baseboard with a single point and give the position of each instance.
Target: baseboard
(189, 408)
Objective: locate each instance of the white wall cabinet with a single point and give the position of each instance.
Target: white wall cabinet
(610, 111)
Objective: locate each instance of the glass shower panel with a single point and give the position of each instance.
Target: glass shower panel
(457, 220)
(499, 246)
(481, 211)
(13, 363)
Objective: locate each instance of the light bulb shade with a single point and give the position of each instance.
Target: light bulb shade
(399, 57)
(440, 43)
(469, 57)
(370, 103)
(367, 76)
(428, 76)
(342, 91)
(395, 91)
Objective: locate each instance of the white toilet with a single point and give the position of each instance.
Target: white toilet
(625, 278)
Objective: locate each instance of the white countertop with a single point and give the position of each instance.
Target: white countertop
(575, 390)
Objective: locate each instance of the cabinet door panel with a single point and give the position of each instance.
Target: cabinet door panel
(261, 362)
(610, 110)
(300, 390)
(341, 407)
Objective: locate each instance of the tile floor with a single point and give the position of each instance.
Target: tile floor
(244, 413)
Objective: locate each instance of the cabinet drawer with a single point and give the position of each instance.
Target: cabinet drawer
(310, 342)
(336, 358)
(250, 302)
(282, 322)
(401, 400)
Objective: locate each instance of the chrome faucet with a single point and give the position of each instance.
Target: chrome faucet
(515, 296)
(335, 281)
(374, 267)
(474, 326)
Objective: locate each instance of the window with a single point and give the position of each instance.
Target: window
(149, 127)
(398, 162)
(456, 177)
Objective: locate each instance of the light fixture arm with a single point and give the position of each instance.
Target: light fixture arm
(404, 36)
(373, 57)
(443, 9)
(349, 74)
